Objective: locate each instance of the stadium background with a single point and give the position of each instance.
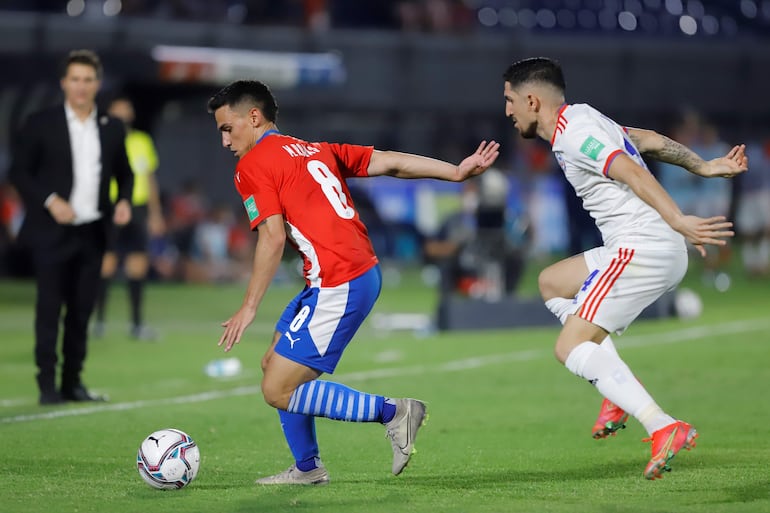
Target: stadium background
(419, 76)
(509, 427)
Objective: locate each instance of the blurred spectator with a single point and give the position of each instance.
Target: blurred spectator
(438, 16)
(211, 253)
(475, 251)
(582, 233)
(12, 260)
(545, 196)
(379, 231)
(753, 211)
(241, 242)
(713, 198)
(681, 185)
(222, 249)
(718, 19)
(704, 197)
(188, 209)
(11, 211)
(449, 248)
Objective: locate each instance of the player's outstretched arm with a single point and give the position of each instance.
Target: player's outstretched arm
(735, 162)
(407, 165)
(698, 231)
(664, 149)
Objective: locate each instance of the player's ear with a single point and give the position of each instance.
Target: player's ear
(255, 116)
(534, 103)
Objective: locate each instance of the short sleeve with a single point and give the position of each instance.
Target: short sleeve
(353, 160)
(258, 192)
(590, 147)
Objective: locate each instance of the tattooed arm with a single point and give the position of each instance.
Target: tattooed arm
(659, 147)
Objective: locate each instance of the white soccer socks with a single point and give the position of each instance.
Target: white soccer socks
(611, 376)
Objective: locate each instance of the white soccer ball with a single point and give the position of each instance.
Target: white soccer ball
(168, 459)
(688, 304)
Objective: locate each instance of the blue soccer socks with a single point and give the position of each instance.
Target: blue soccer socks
(335, 401)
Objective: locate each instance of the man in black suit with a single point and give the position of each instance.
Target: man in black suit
(62, 164)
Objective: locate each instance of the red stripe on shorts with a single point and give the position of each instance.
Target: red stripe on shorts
(605, 283)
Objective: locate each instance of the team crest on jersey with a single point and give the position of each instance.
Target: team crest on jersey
(560, 160)
(591, 147)
(251, 208)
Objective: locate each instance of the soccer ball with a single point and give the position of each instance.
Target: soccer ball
(168, 459)
(688, 304)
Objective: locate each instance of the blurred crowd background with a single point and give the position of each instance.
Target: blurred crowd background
(724, 18)
(422, 76)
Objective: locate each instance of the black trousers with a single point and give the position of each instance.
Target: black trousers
(67, 276)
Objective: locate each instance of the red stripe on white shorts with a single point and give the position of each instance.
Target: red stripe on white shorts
(605, 283)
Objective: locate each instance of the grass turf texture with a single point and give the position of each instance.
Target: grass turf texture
(509, 428)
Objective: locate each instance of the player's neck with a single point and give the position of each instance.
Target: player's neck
(263, 129)
(549, 115)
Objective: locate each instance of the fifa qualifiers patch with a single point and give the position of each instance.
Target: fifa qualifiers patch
(591, 147)
(251, 208)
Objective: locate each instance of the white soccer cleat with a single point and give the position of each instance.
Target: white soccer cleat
(402, 430)
(294, 476)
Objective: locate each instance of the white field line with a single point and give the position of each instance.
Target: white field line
(677, 336)
(120, 328)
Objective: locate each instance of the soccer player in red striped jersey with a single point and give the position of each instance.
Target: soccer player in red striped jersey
(643, 254)
(295, 190)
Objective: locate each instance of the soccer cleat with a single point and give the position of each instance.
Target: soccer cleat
(294, 476)
(611, 419)
(666, 443)
(402, 431)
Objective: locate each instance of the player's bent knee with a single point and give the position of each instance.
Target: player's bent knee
(275, 395)
(563, 347)
(546, 285)
(560, 352)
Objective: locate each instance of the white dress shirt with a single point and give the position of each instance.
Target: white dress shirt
(86, 166)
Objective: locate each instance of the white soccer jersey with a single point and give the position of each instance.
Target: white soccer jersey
(585, 142)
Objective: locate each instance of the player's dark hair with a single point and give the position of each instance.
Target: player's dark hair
(252, 92)
(535, 69)
(87, 57)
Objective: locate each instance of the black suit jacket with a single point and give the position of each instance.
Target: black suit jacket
(42, 164)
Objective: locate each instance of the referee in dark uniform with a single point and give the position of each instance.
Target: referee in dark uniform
(63, 161)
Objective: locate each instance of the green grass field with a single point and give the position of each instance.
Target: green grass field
(509, 428)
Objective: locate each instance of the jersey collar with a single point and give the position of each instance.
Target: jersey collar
(269, 132)
(561, 123)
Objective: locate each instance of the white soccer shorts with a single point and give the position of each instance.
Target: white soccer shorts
(624, 281)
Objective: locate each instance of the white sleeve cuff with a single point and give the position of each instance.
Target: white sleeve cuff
(49, 200)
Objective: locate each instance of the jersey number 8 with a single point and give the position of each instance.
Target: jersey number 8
(332, 188)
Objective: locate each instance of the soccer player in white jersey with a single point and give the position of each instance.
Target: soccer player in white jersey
(644, 255)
